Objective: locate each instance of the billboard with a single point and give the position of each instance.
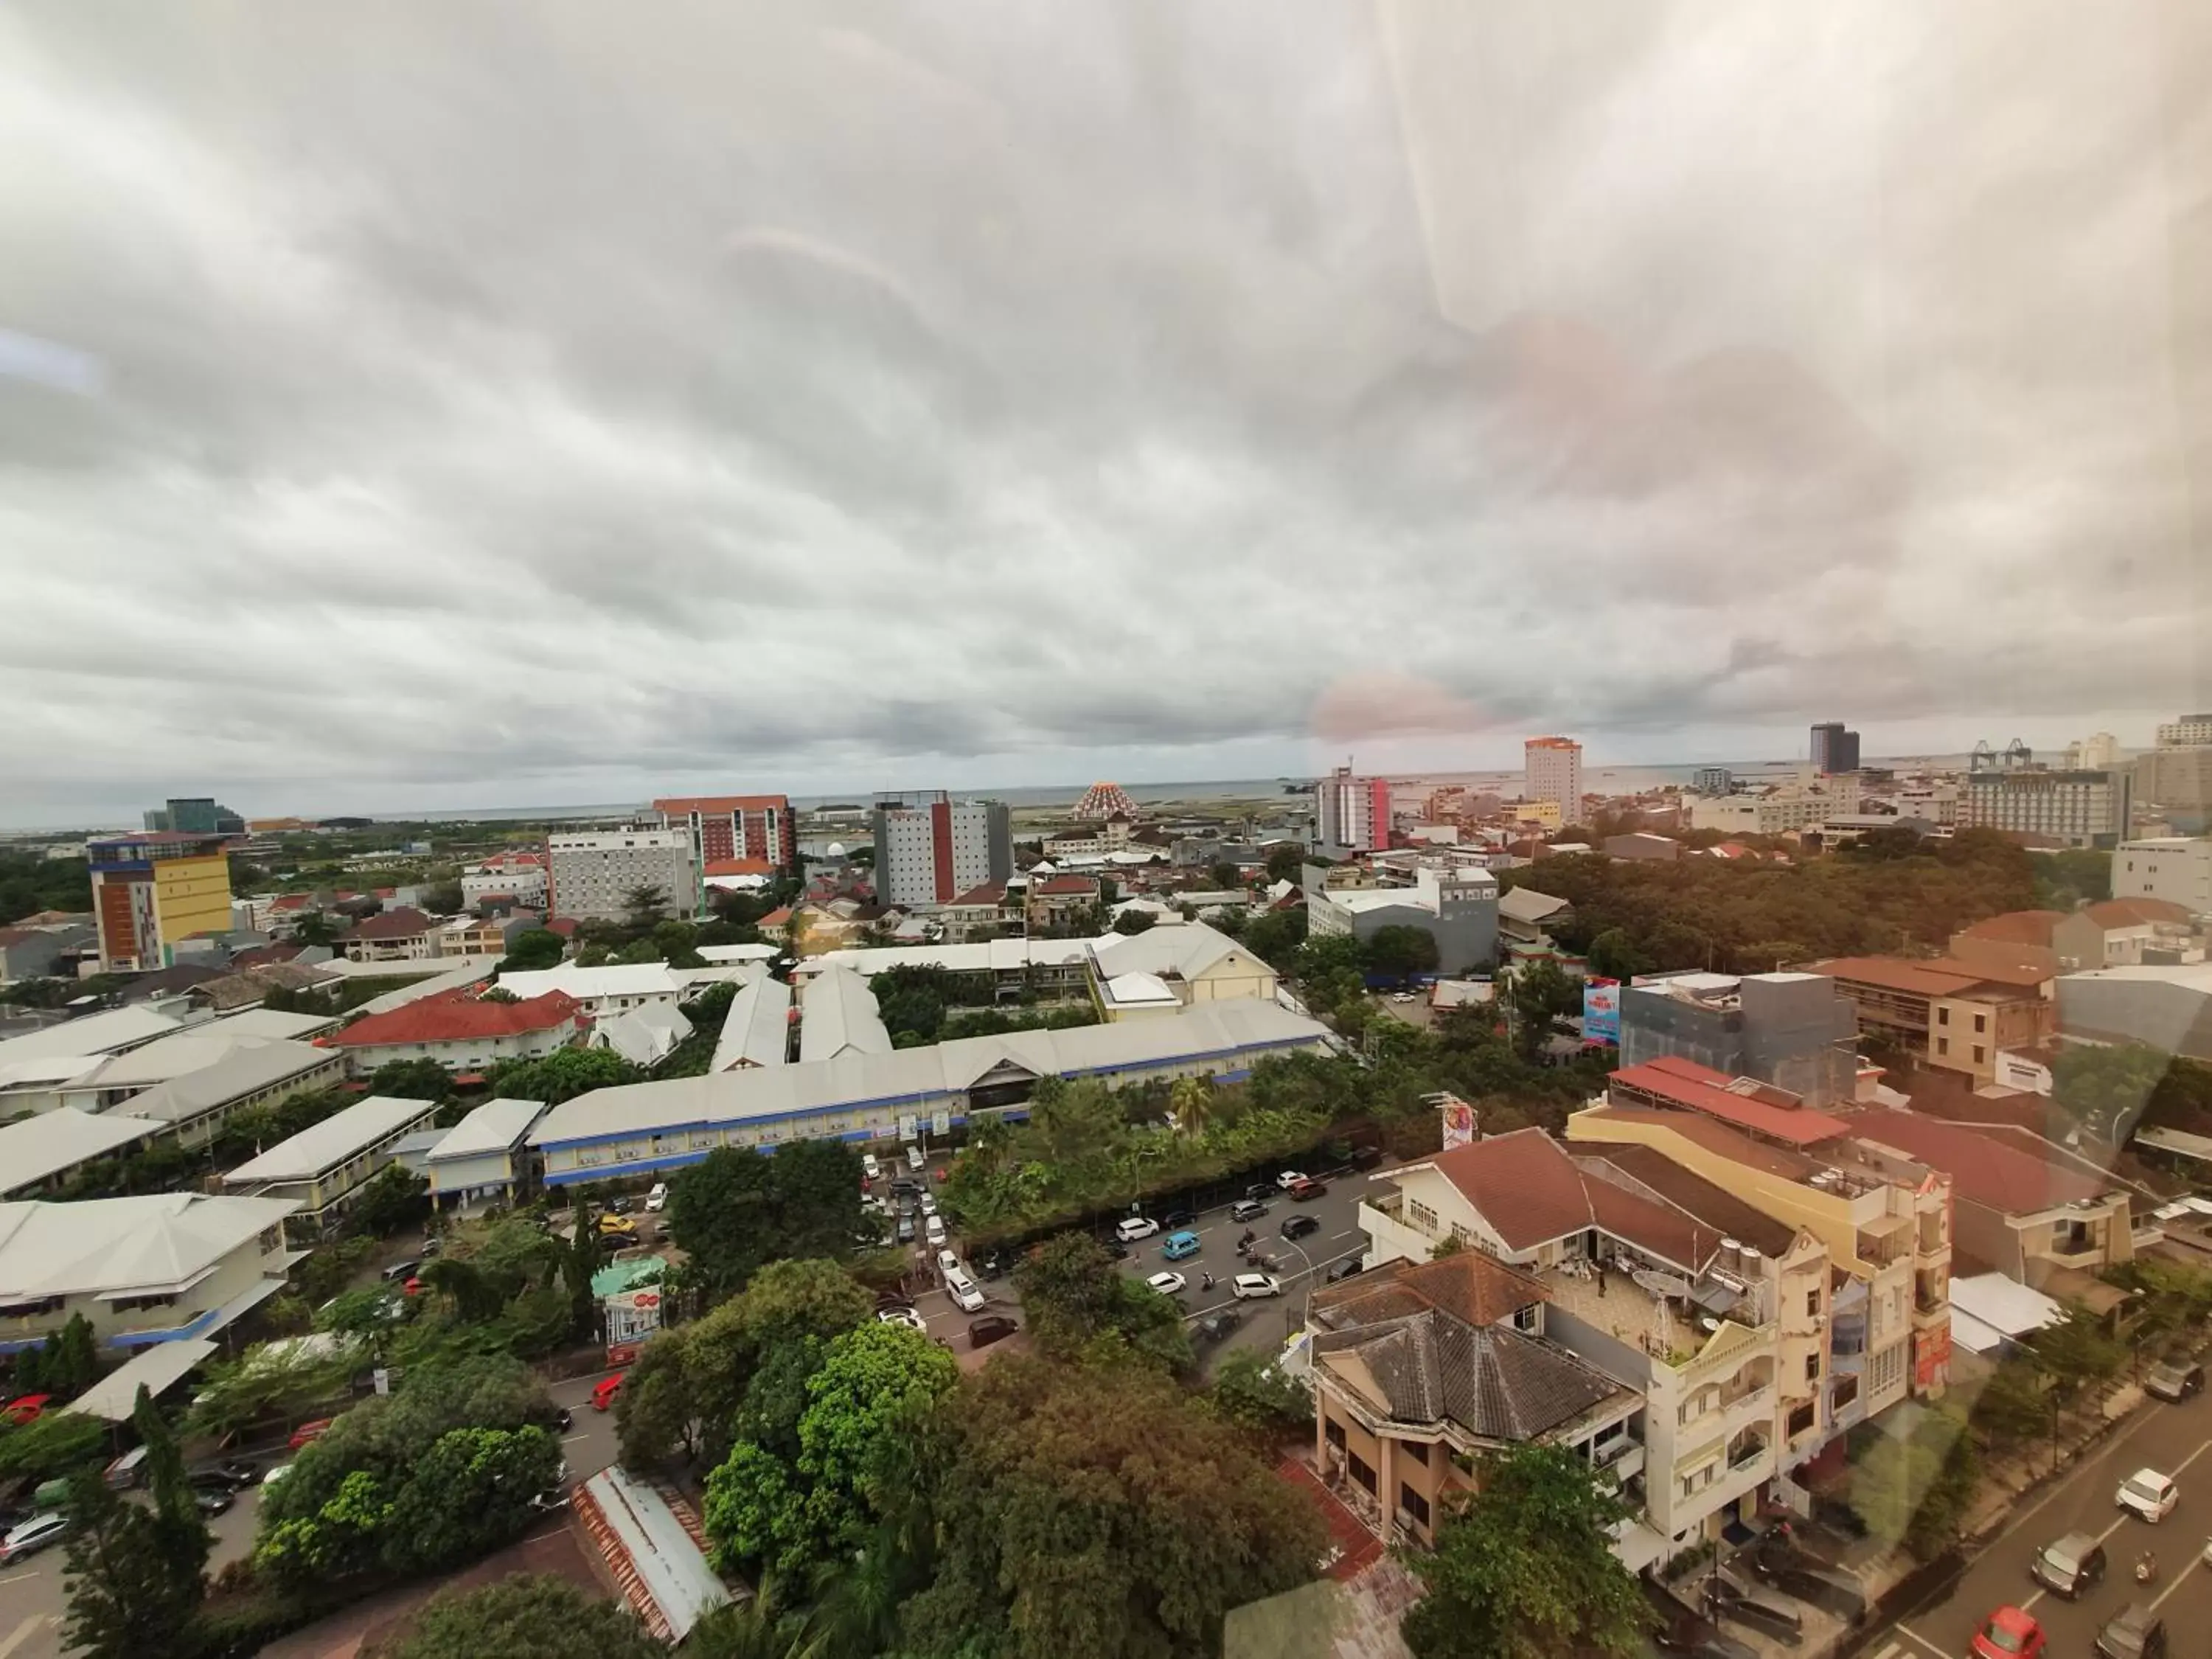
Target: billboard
(941, 1124)
(1459, 1122)
(909, 1127)
(1601, 1011)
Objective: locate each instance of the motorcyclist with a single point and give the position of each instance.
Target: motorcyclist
(2146, 1566)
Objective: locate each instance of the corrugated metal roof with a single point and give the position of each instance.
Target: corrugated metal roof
(327, 1144)
(35, 1148)
(154, 1368)
(839, 1016)
(756, 1030)
(494, 1126)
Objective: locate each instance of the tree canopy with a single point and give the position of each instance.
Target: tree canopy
(736, 1209)
(527, 1616)
(562, 1075)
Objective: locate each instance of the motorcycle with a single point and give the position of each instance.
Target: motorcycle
(2146, 1568)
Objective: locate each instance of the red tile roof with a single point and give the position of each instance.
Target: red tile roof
(458, 1017)
(2018, 926)
(564, 926)
(1530, 1192)
(775, 918)
(2001, 1174)
(1944, 976)
(682, 806)
(1470, 1285)
(989, 892)
(1700, 1089)
(1067, 886)
(2135, 912)
(405, 922)
(739, 867)
(1352, 1547)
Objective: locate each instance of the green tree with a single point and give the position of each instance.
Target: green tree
(1191, 1099)
(562, 1075)
(2106, 1089)
(1912, 1489)
(1256, 1395)
(1401, 951)
(788, 1305)
(468, 1494)
(1524, 1568)
(644, 905)
(1095, 1511)
(1276, 936)
(528, 1616)
(584, 1254)
(2013, 1407)
(721, 1212)
(55, 1444)
(533, 950)
(411, 1079)
(655, 1420)
(2077, 1349)
(864, 1405)
(1541, 991)
(1072, 1294)
(180, 1532)
(1613, 954)
(390, 1200)
(1286, 862)
(1224, 877)
(1130, 923)
(126, 1598)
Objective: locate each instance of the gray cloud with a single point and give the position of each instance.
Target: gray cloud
(486, 404)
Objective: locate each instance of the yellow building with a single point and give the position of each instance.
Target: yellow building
(151, 890)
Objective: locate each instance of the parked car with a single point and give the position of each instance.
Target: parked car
(991, 1328)
(2134, 1633)
(1132, 1228)
(906, 1316)
(1167, 1284)
(31, 1536)
(1115, 1248)
(966, 1294)
(1289, 1178)
(1246, 1286)
(1178, 1218)
(932, 1228)
(1246, 1209)
(904, 1231)
(892, 1299)
(399, 1272)
(230, 1476)
(604, 1392)
(2148, 1494)
(1180, 1245)
(27, 1408)
(1401, 996)
(1300, 1191)
(309, 1432)
(2174, 1379)
(2008, 1633)
(657, 1199)
(275, 1475)
(1342, 1270)
(2070, 1567)
(552, 1499)
(1298, 1226)
(870, 1166)
(617, 1226)
(948, 1261)
(209, 1501)
(929, 1203)
(913, 1159)
(1217, 1327)
(1791, 1569)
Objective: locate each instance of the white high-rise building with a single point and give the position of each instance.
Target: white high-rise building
(1554, 772)
(590, 875)
(2176, 868)
(1353, 813)
(2190, 732)
(930, 848)
(2098, 752)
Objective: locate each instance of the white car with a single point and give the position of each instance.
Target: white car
(1401, 996)
(906, 1316)
(1247, 1285)
(1167, 1284)
(934, 1231)
(1288, 1179)
(658, 1198)
(913, 1159)
(929, 1203)
(33, 1535)
(2148, 1494)
(275, 1474)
(1136, 1227)
(870, 1167)
(948, 1263)
(965, 1294)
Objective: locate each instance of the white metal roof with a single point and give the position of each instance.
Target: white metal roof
(922, 1074)
(498, 1126)
(117, 1245)
(90, 1034)
(615, 979)
(458, 972)
(173, 1056)
(1188, 948)
(33, 1148)
(156, 1367)
(668, 1566)
(756, 1030)
(2002, 1306)
(839, 1016)
(643, 1037)
(1138, 991)
(729, 953)
(246, 1069)
(273, 1023)
(327, 1144)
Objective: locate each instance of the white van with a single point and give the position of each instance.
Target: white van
(913, 1159)
(947, 1263)
(963, 1292)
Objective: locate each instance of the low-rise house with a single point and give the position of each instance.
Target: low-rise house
(643, 1037)
(194, 1105)
(1949, 1014)
(402, 934)
(1196, 964)
(2121, 932)
(484, 1158)
(1528, 916)
(322, 1169)
(164, 1268)
(1058, 900)
(250, 984)
(978, 913)
(1418, 1369)
(40, 1154)
(463, 1031)
(479, 936)
(33, 952)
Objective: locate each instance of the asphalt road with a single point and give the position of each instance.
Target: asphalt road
(2173, 1439)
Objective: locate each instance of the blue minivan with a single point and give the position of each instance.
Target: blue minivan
(1180, 1245)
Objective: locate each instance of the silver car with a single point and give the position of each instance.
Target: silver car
(32, 1536)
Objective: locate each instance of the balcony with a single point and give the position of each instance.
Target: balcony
(1621, 1462)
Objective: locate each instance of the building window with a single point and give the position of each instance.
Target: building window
(1333, 1432)
(1413, 1503)
(1981, 1022)
(1979, 1052)
(1812, 1367)
(1812, 1303)
(1360, 1472)
(1416, 1449)
(1942, 1016)
(1421, 1215)
(1524, 1319)
(1942, 1045)
(1801, 1419)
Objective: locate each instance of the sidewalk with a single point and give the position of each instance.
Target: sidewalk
(2006, 1480)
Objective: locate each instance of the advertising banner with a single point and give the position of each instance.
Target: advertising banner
(909, 1127)
(1601, 1011)
(1459, 1122)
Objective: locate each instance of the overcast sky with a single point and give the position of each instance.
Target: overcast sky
(447, 404)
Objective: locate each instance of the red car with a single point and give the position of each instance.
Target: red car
(2008, 1633)
(307, 1431)
(29, 1409)
(1307, 1189)
(604, 1392)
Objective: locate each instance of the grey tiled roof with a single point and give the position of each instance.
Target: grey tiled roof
(1494, 1382)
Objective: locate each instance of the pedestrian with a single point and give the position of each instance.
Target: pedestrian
(1601, 1279)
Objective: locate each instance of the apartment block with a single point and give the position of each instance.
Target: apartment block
(2175, 786)
(931, 848)
(590, 875)
(731, 830)
(1793, 1031)
(1712, 780)
(1779, 809)
(1353, 813)
(151, 891)
(1454, 903)
(2190, 732)
(2079, 808)
(2175, 868)
(1835, 748)
(1949, 1014)
(1553, 771)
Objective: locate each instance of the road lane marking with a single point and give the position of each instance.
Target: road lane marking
(2180, 1579)
(18, 1578)
(1913, 1636)
(22, 1633)
(571, 1439)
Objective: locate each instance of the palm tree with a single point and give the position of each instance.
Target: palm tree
(1191, 1099)
(761, 1627)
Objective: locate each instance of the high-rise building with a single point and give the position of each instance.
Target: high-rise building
(733, 832)
(1554, 772)
(2174, 783)
(1712, 780)
(1354, 813)
(2190, 732)
(2098, 752)
(1835, 748)
(930, 848)
(590, 874)
(151, 891)
(198, 815)
(2081, 809)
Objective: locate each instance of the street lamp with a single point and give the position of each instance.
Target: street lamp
(1291, 1243)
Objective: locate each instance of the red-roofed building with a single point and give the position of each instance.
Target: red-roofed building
(976, 912)
(1759, 1108)
(463, 1032)
(1949, 1012)
(404, 934)
(726, 828)
(2018, 1200)
(1057, 900)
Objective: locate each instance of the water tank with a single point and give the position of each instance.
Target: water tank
(1731, 1255)
(1751, 1264)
